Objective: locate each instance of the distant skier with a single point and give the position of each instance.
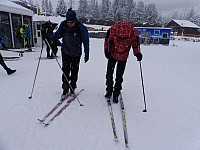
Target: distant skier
(22, 36)
(8, 70)
(73, 34)
(47, 31)
(118, 41)
(27, 36)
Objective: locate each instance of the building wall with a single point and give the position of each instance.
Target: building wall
(154, 35)
(5, 30)
(9, 26)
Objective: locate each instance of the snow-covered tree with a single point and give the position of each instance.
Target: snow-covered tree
(61, 8)
(117, 10)
(126, 9)
(140, 12)
(50, 7)
(83, 8)
(105, 8)
(190, 15)
(92, 7)
(45, 6)
(151, 13)
(133, 16)
(71, 4)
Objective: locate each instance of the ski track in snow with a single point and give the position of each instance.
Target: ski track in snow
(171, 80)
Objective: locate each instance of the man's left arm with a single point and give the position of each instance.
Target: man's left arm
(136, 46)
(85, 40)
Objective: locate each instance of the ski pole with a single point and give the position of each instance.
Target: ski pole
(36, 71)
(145, 109)
(62, 71)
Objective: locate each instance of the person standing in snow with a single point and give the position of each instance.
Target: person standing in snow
(47, 31)
(73, 34)
(8, 70)
(118, 41)
(27, 36)
(22, 36)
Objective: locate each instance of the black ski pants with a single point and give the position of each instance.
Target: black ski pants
(121, 65)
(53, 48)
(3, 63)
(70, 67)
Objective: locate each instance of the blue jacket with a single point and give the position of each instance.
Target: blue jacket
(72, 39)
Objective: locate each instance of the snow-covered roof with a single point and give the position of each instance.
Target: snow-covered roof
(53, 19)
(186, 23)
(8, 6)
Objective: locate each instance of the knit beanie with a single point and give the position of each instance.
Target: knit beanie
(71, 15)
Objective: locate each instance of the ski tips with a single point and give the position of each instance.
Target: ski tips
(46, 124)
(40, 120)
(144, 110)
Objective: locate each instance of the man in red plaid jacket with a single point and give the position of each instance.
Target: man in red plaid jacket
(118, 41)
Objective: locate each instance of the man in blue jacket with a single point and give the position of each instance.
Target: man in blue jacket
(73, 34)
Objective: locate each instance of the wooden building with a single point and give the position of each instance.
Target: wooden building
(183, 28)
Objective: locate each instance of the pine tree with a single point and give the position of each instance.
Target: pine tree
(61, 8)
(133, 16)
(50, 7)
(92, 8)
(43, 6)
(140, 12)
(126, 10)
(105, 8)
(117, 10)
(71, 4)
(96, 11)
(83, 8)
(151, 13)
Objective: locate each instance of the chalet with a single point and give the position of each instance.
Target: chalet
(12, 17)
(183, 27)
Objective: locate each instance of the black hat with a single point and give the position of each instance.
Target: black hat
(71, 15)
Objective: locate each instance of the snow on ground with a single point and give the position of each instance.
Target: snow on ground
(171, 79)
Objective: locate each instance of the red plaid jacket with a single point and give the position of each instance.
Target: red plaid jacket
(119, 39)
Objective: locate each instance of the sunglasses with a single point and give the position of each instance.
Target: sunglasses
(70, 22)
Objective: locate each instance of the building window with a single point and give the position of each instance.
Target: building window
(165, 35)
(157, 32)
(5, 32)
(17, 24)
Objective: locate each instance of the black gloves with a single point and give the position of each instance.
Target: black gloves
(139, 56)
(86, 58)
(107, 54)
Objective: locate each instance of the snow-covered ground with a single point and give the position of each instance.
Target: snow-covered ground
(172, 121)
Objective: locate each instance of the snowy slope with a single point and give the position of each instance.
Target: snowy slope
(171, 78)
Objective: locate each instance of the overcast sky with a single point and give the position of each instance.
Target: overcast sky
(163, 6)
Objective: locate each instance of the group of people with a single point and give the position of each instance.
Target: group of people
(118, 41)
(24, 36)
